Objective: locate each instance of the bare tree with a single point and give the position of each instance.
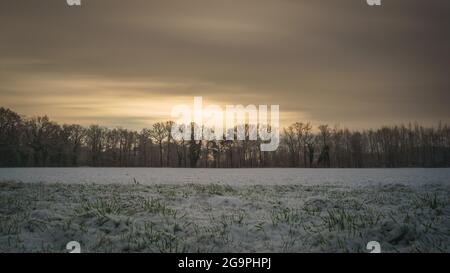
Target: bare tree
(95, 140)
(145, 144)
(168, 127)
(158, 135)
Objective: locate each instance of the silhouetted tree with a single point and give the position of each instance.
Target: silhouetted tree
(40, 142)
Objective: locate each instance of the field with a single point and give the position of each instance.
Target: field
(284, 214)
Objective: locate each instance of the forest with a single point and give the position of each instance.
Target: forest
(40, 142)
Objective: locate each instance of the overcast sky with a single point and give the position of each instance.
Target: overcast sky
(126, 63)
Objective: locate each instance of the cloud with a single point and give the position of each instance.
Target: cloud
(326, 60)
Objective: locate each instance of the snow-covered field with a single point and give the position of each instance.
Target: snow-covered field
(236, 177)
(226, 210)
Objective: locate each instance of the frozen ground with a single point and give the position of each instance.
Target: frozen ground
(226, 176)
(284, 210)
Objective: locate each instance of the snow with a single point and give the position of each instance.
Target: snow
(150, 176)
(225, 210)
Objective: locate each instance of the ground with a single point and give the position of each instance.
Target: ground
(44, 217)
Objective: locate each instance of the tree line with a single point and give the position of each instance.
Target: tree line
(40, 142)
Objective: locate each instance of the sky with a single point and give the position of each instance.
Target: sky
(127, 63)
